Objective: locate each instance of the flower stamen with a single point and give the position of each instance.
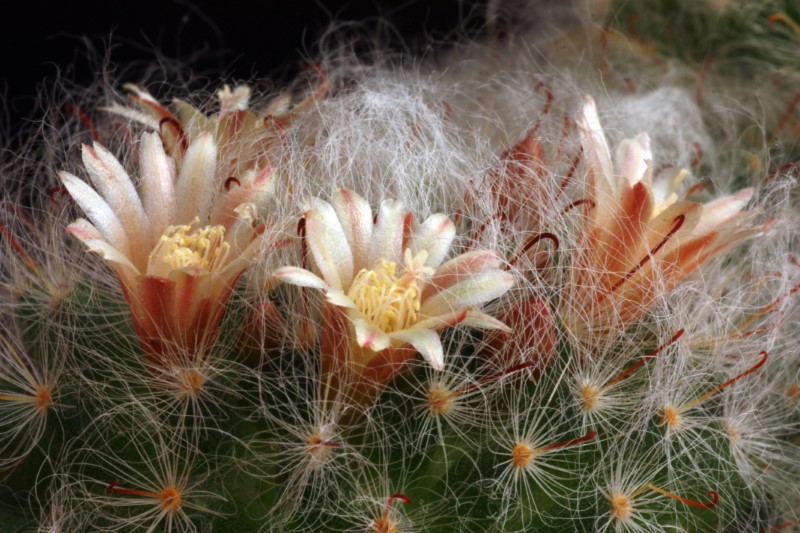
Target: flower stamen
(387, 300)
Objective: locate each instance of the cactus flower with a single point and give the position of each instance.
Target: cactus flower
(391, 281)
(178, 244)
(639, 240)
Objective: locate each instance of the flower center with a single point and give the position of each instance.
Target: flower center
(386, 300)
(203, 248)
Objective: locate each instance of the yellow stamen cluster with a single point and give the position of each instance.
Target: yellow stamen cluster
(384, 299)
(203, 248)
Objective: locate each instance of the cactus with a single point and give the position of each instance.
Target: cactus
(415, 299)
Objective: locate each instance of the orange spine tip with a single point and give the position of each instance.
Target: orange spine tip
(692, 503)
(782, 17)
(178, 127)
(231, 180)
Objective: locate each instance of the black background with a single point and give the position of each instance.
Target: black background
(234, 39)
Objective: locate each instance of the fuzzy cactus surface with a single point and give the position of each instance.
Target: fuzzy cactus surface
(544, 280)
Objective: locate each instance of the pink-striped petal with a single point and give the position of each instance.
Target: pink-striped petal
(98, 211)
(426, 342)
(473, 291)
(95, 242)
(328, 244)
(196, 182)
(435, 235)
(634, 158)
(158, 185)
(387, 237)
(722, 210)
(479, 320)
(598, 156)
(300, 277)
(115, 186)
(355, 216)
(369, 336)
(458, 268)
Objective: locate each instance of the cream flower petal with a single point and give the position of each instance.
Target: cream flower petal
(300, 277)
(115, 186)
(598, 156)
(435, 235)
(95, 242)
(443, 321)
(387, 238)
(355, 215)
(338, 298)
(369, 336)
(196, 181)
(458, 268)
(477, 319)
(426, 342)
(634, 159)
(158, 185)
(475, 290)
(722, 210)
(98, 211)
(328, 244)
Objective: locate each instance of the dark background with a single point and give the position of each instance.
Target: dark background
(234, 39)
